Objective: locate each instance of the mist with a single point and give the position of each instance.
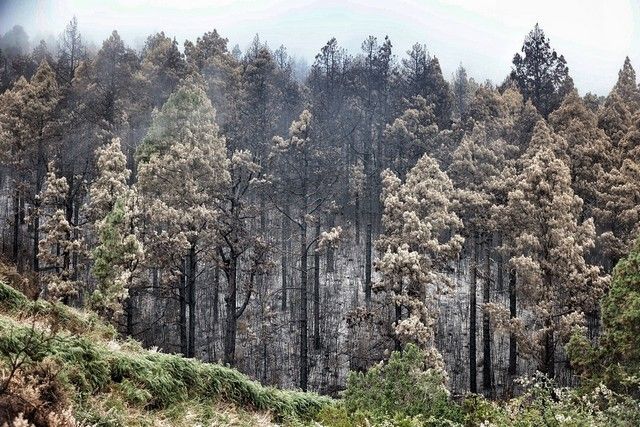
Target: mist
(594, 36)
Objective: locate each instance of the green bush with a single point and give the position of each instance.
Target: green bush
(124, 374)
(402, 391)
(615, 361)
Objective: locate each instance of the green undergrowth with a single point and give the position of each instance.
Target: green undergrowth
(108, 380)
(64, 367)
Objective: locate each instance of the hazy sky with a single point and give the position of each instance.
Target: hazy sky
(593, 35)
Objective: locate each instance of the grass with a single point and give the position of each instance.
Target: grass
(109, 381)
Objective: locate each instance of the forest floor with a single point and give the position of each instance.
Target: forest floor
(65, 367)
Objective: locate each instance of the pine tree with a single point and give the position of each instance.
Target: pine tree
(589, 150)
(162, 68)
(240, 248)
(463, 89)
(412, 135)
(549, 246)
(422, 76)
(618, 207)
(71, 52)
(476, 171)
(615, 118)
(182, 172)
(57, 244)
(106, 84)
(627, 87)
(616, 358)
(299, 163)
(221, 72)
(118, 253)
(111, 182)
(419, 242)
(28, 116)
(540, 73)
(41, 53)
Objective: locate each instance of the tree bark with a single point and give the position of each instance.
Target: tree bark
(304, 368)
(230, 305)
(398, 315)
(513, 345)
(284, 235)
(36, 237)
(473, 316)
(182, 321)
(316, 293)
(357, 220)
(130, 313)
(191, 288)
(74, 258)
(330, 267)
(368, 170)
(16, 226)
(216, 296)
(549, 366)
(486, 325)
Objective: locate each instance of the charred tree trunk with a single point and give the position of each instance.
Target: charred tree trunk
(486, 326)
(191, 288)
(304, 368)
(230, 305)
(36, 236)
(513, 345)
(40, 171)
(182, 321)
(398, 315)
(284, 236)
(499, 258)
(316, 293)
(473, 387)
(368, 170)
(357, 219)
(216, 297)
(16, 226)
(74, 258)
(549, 365)
(130, 307)
(330, 267)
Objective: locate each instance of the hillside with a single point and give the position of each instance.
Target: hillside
(64, 367)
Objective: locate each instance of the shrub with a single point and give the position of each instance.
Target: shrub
(402, 391)
(615, 362)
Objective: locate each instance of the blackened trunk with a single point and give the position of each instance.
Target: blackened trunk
(130, 310)
(216, 296)
(357, 220)
(367, 263)
(549, 365)
(36, 237)
(368, 170)
(513, 345)
(284, 235)
(330, 267)
(303, 362)
(191, 289)
(36, 204)
(74, 258)
(473, 317)
(182, 322)
(230, 305)
(316, 294)
(499, 265)
(398, 315)
(69, 217)
(16, 225)
(486, 326)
